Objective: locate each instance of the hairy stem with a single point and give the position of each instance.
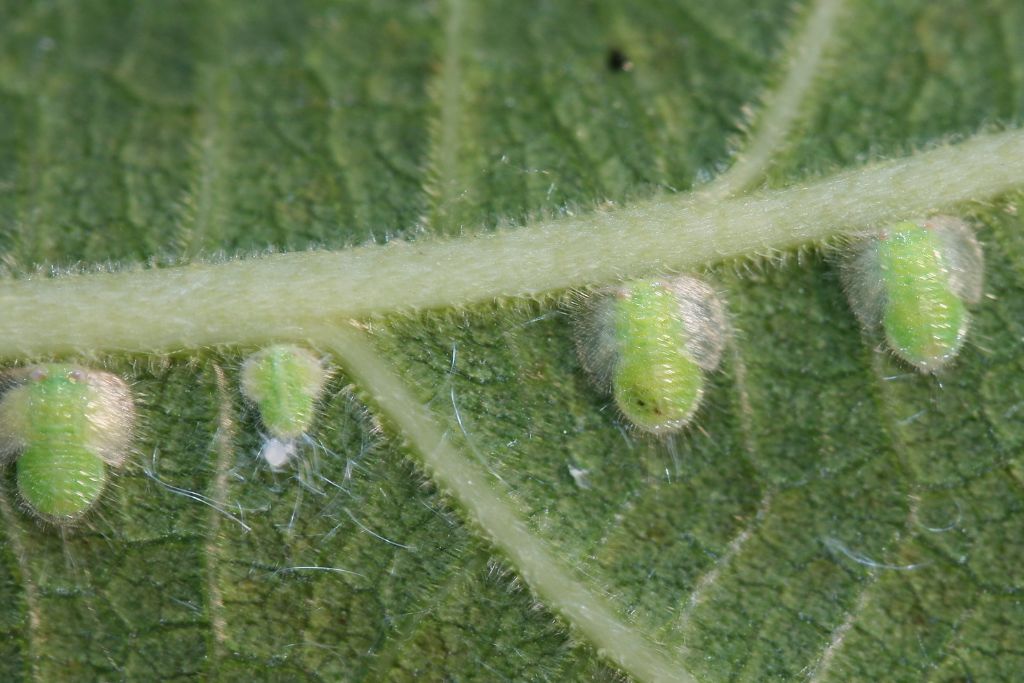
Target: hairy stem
(259, 300)
(475, 490)
(782, 107)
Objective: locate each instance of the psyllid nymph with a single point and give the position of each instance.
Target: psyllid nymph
(649, 343)
(284, 382)
(65, 424)
(915, 280)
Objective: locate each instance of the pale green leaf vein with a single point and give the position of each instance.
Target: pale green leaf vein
(707, 581)
(12, 525)
(224, 447)
(468, 483)
(445, 129)
(287, 296)
(782, 107)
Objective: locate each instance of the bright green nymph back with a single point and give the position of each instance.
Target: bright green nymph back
(649, 342)
(284, 382)
(60, 472)
(656, 384)
(925, 321)
(914, 281)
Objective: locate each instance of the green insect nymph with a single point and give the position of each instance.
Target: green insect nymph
(68, 423)
(649, 342)
(284, 382)
(915, 281)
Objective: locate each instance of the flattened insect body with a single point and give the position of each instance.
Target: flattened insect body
(284, 382)
(68, 423)
(915, 281)
(649, 342)
(60, 481)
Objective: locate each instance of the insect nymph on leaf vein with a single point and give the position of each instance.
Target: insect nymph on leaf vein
(65, 424)
(649, 343)
(915, 280)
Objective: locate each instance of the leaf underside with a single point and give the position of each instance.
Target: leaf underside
(831, 514)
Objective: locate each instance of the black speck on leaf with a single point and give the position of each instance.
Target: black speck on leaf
(618, 61)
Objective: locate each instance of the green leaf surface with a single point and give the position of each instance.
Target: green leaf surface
(831, 515)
